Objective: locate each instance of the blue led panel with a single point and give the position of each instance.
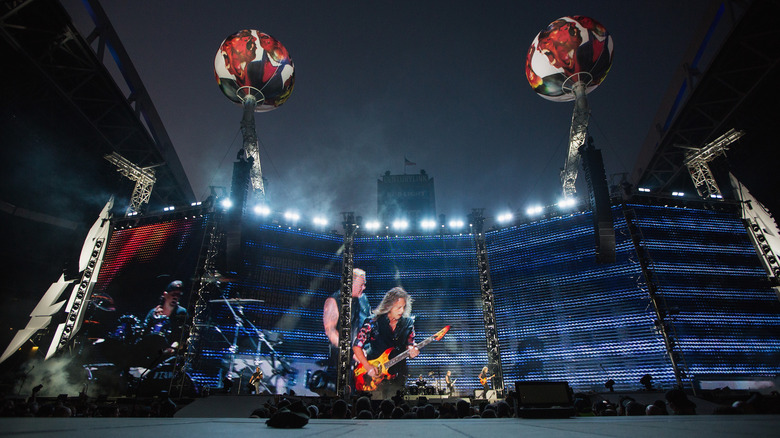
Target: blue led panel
(725, 315)
(561, 316)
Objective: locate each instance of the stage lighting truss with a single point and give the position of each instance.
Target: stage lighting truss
(488, 301)
(144, 181)
(345, 312)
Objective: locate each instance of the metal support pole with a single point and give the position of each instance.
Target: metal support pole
(488, 302)
(577, 135)
(345, 308)
(208, 275)
(664, 327)
(251, 148)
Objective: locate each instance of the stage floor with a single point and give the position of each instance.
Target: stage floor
(636, 427)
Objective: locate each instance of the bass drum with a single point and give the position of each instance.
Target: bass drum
(127, 331)
(149, 351)
(159, 379)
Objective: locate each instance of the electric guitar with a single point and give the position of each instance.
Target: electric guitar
(364, 382)
(255, 378)
(483, 380)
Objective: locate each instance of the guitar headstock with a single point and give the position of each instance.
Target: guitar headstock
(440, 334)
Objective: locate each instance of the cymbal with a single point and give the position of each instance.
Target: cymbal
(236, 300)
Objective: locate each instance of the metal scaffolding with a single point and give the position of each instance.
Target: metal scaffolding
(345, 308)
(697, 159)
(578, 132)
(144, 182)
(488, 302)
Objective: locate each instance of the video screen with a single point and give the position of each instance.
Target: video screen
(137, 320)
(272, 325)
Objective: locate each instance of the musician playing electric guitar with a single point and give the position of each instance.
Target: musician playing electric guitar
(450, 382)
(484, 379)
(256, 379)
(391, 330)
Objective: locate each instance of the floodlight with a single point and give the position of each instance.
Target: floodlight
(320, 221)
(678, 194)
(226, 203)
(400, 224)
(262, 210)
(505, 217)
(644, 190)
(428, 224)
(372, 225)
(456, 223)
(291, 216)
(567, 202)
(534, 210)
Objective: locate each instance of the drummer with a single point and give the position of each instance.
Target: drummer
(167, 318)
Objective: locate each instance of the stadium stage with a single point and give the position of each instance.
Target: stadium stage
(709, 426)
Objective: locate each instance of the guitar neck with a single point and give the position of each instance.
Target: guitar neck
(405, 354)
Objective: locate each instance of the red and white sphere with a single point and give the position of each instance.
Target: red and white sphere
(568, 50)
(252, 62)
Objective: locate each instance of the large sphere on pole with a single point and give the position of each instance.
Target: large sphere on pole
(252, 62)
(568, 50)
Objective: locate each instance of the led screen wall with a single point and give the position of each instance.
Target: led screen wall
(563, 317)
(560, 315)
(124, 352)
(726, 316)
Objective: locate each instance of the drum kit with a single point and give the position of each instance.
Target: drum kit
(126, 357)
(128, 345)
(422, 387)
(143, 358)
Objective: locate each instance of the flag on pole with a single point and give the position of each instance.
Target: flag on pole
(408, 163)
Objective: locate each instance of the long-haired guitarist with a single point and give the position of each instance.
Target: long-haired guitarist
(390, 327)
(485, 379)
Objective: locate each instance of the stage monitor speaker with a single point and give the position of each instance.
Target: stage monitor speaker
(490, 395)
(544, 400)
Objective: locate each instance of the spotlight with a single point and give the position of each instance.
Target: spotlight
(533, 211)
(504, 217)
(644, 190)
(428, 224)
(320, 221)
(372, 225)
(226, 203)
(567, 202)
(456, 224)
(678, 194)
(291, 216)
(400, 224)
(262, 210)
(169, 208)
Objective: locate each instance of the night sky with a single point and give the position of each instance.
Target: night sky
(441, 83)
